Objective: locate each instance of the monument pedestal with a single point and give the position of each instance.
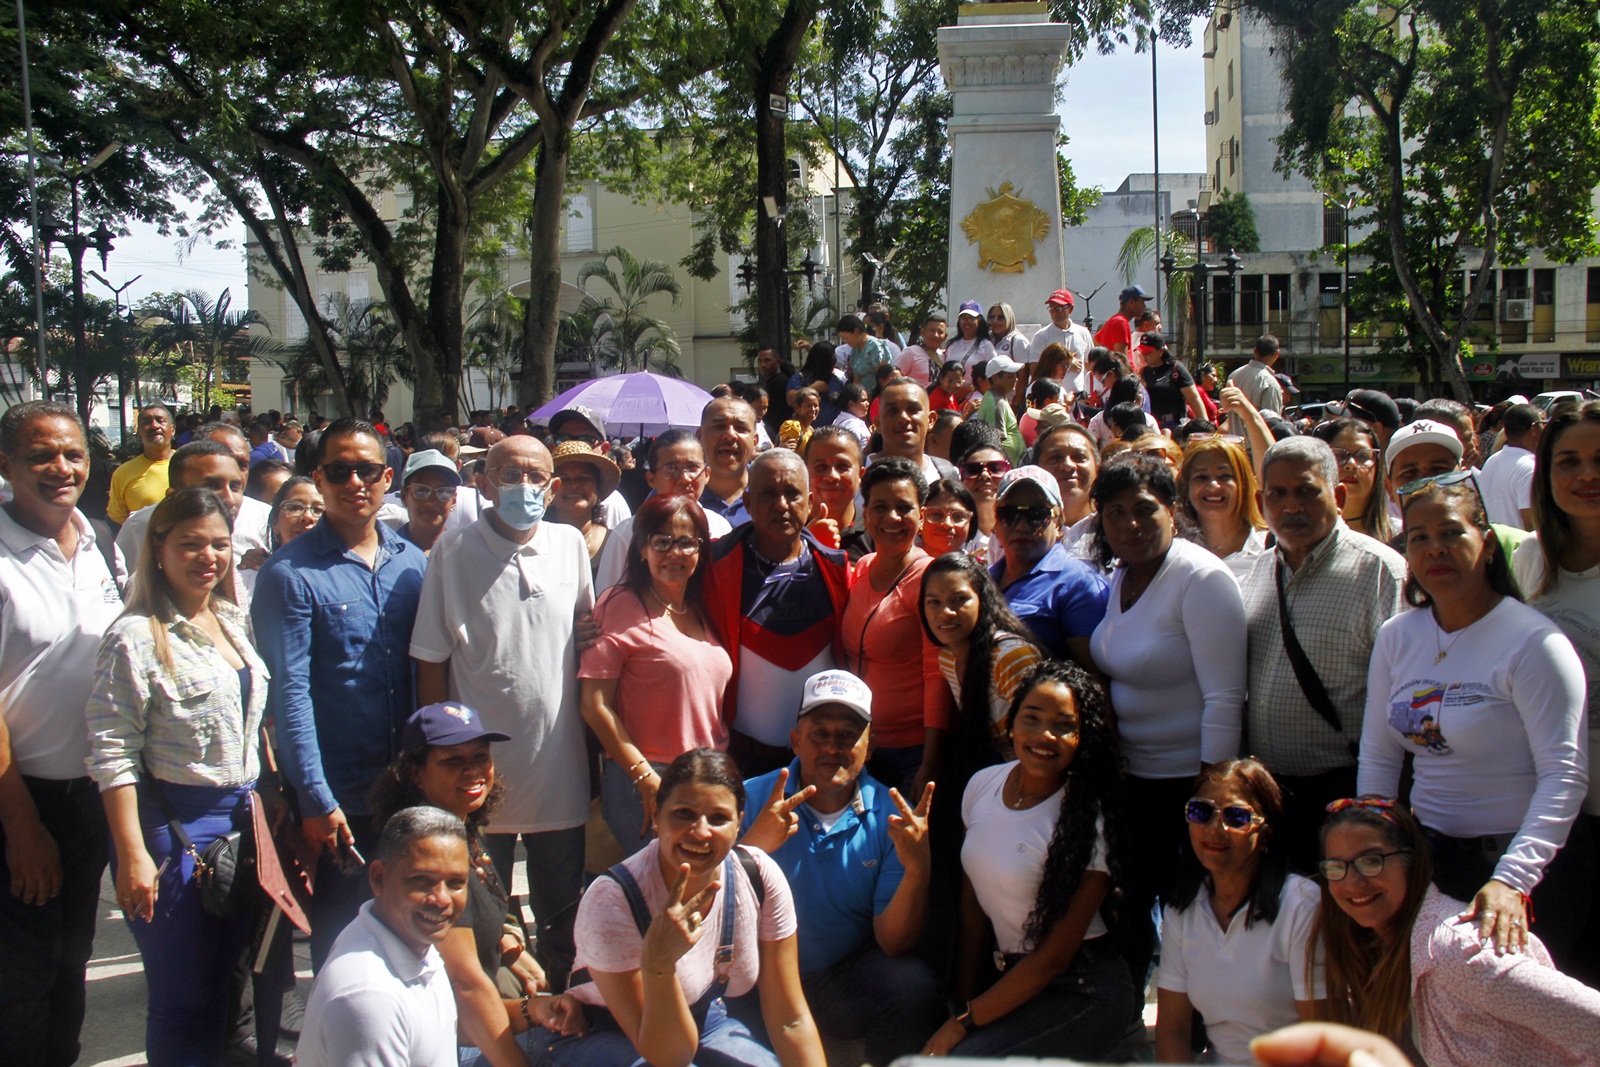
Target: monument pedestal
(1000, 61)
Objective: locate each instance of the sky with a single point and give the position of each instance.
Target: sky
(1105, 111)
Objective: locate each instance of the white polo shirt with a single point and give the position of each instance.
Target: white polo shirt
(249, 531)
(502, 615)
(53, 613)
(1507, 485)
(376, 1003)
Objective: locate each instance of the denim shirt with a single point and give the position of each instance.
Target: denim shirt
(336, 636)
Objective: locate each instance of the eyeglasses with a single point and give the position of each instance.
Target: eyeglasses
(339, 473)
(1367, 865)
(1441, 480)
(509, 476)
(442, 493)
(974, 468)
(296, 508)
(1032, 514)
(664, 543)
(1235, 817)
(1361, 457)
(681, 470)
(942, 517)
(594, 441)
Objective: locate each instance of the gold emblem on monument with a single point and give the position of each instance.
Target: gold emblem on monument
(1005, 228)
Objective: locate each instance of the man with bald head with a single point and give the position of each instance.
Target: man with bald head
(904, 418)
(777, 595)
(333, 611)
(728, 435)
(496, 631)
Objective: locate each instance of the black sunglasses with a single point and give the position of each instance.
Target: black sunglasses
(1032, 514)
(977, 468)
(339, 473)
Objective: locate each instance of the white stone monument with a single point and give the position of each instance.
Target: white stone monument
(1000, 61)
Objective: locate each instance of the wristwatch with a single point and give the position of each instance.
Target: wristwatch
(965, 1019)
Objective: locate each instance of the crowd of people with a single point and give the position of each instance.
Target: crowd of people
(942, 699)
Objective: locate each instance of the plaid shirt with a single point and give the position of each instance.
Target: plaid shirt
(187, 723)
(1343, 592)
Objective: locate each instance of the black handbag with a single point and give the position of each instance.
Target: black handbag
(225, 873)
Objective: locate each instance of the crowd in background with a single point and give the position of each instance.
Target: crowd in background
(941, 697)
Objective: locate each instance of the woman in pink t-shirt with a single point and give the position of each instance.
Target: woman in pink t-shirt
(653, 681)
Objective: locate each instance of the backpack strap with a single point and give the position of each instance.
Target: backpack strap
(752, 871)
(636, 905)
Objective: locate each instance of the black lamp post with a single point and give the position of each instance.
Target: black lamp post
(748, 272)
(1200, 270)
(53, 230)
(1344, 315)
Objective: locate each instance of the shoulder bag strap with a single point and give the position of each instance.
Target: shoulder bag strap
(1310, 682)
(636, 905)
(179, 834)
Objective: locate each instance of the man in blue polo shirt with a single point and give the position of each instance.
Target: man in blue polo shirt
(857, 860)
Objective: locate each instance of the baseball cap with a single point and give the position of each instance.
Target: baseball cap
(1288, 384)
(1001, 365)
(1371, 405)
(1052, 415)
(1060, 298)
(1037, 476)
(1133, 292)
(1422, 432)
(448, 723)
(970, 307)
(430, 459)
(836, 687)
(1154, 340)
(579, 411)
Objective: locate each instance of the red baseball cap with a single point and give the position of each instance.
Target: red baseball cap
(1061, 298)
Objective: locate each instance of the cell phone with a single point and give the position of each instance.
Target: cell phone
(349, 861)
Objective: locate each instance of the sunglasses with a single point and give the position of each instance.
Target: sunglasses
(1367, 865)
(1032, 514)
(1235, 817)
(974, 468)
(339, 473)
(1441, 480)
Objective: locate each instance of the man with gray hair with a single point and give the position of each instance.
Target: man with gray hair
(383, 997)
(1314, 605)
(777, 595)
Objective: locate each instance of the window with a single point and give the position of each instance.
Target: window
(1252, 299)
(1330, 304)
(294, 323)
(579, 223)
(1513, 320)
(1230, 79)
(1544, 305)
(1216, 103)
(1333, 225)
(1592, 310)
(1277, 303)
(1484, 312)
(357, 288)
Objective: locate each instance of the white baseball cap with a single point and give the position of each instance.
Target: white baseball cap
(1001, 365)
(1421, 432)
(836, 687)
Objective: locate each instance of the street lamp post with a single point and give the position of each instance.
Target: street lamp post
(1344, 316)
(1200, 270)
(50, 231)
(749, 274)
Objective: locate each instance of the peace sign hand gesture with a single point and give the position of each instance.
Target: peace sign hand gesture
(909, 829)
(777, 821)
(676, 927)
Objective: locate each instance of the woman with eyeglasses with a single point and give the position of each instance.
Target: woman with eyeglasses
(1219, 497)
(1400, 963)
(586, 478)
(1487, 696)
(295, 510)
(1060, 598)
(948, 521)
(981, 468)
(880, 638)
(653, 681)
(1173, 646)
(1236, 931)
(1558, 570)
(1042, 860)
(1366, 503)
(1069, 452)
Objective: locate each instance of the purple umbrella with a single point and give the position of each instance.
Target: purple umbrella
(639, 403)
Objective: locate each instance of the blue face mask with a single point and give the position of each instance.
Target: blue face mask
(521, 506)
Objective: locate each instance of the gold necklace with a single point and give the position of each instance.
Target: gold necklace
(670, 610)
(1023, 798)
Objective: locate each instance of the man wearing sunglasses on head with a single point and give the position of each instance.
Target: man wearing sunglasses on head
(333, 611)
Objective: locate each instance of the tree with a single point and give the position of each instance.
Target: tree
(1231, 224)
(1142, 246)
(638, 340)
(1464, 132)
(202, 331)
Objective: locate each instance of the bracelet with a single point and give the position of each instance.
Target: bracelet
(644, 776)
(641, 763)
(523, 1004)
(965, 1019)
(659, 974)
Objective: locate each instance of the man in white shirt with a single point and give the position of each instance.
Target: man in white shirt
(496, 630)
(383, 998)
(1507, 478)
(57, 596)
(1072, 336)
(676, 467)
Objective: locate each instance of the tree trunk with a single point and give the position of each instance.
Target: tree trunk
(542, 310)
(772, 245)
(435, 403)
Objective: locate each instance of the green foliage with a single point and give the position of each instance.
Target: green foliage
(201, 332)
(1465, 132)
(1231, 224)
(630, 338)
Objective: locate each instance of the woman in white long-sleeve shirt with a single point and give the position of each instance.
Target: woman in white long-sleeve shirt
(1173, 644)
(1488, 696)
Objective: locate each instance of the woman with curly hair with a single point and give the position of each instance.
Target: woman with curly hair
(445, 762)
(1366, 503)
(1219, 497)
(1399, 962)
(1236, 931)
(1043, 859)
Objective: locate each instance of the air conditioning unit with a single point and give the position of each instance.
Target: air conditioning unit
(1211, 118)
(1517, 311)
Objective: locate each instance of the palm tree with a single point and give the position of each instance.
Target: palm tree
(202, 331)
(371, 356)
(636, 340)
(1141, 247)
(493, 343)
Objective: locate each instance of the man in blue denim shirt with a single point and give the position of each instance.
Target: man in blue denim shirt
(333, 612)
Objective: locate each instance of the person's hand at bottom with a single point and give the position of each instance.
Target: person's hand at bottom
(1326, 1045)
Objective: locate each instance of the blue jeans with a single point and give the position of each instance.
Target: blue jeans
(622, 806)
(1080, 1015)
(189, 956)
(45, 948)
(724, 1042)
(555, 883)
(890, 1002)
